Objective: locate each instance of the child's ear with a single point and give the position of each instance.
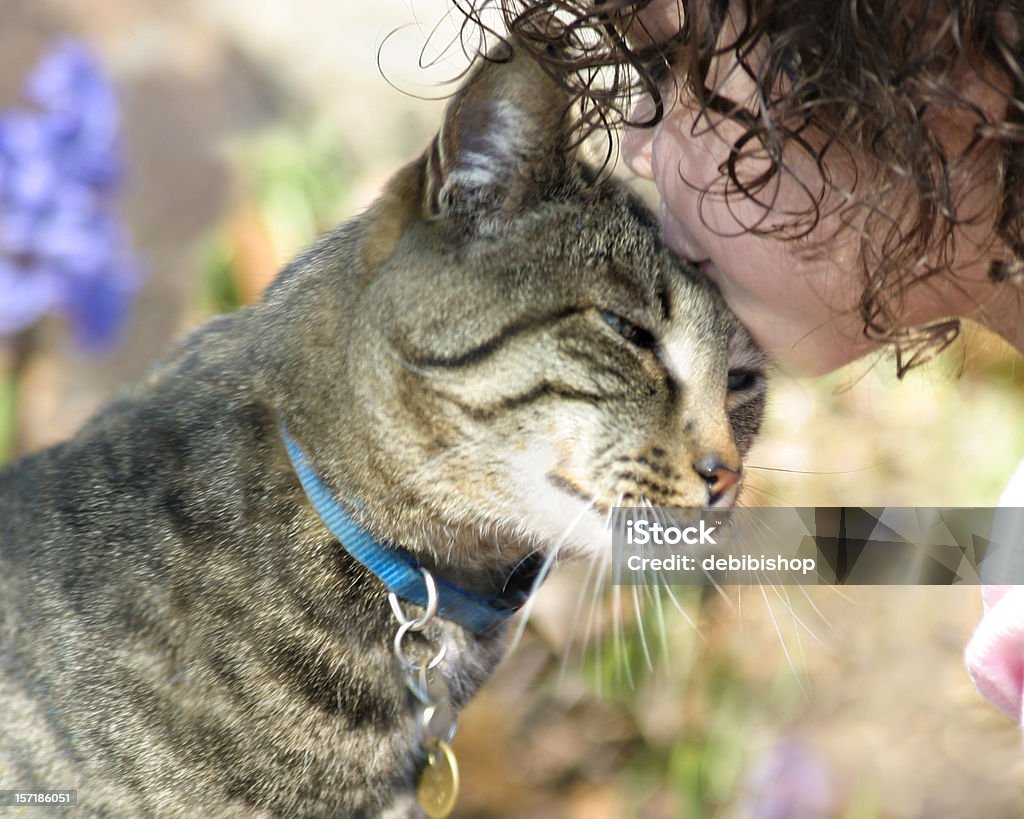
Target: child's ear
(504, 141)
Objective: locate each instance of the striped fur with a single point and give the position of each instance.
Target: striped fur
(500, 345)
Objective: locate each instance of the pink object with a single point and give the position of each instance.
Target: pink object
(995, 654)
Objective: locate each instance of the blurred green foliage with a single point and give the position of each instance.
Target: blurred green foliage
(703, 764)
(293, 187)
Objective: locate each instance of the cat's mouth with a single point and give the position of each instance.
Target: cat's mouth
(605, 507)
(587, 520)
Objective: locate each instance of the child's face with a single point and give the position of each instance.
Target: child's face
(799, 298)
(803, 311)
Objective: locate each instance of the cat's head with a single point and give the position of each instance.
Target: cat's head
(525, 353)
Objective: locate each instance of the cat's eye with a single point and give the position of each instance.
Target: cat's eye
(633, 333)
(740, 380)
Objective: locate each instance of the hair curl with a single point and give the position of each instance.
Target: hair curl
(861, 79)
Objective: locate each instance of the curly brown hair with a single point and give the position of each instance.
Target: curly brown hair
(862, 79)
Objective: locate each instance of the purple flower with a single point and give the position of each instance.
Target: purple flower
(62, 247)
(791, 781)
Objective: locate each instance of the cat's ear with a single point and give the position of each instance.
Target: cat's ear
(503, 143)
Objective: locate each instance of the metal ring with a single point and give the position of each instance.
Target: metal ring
(427, 717)
(429, 689)
(404, 629)
(429, 614)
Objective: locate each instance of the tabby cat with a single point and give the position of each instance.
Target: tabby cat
(477, 368)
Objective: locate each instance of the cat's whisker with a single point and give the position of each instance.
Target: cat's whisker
(641, 631)
(590, 577)
(661, 516)
(783, 645)
(833, 589)
(619, 652)
(543, 573)
(595, 609)
(597, 617)
(658, 588)
(596, 612)
(815, 472)
(798, 623)
(810, 601)
(797, 619)
(654, 590)
(684, 613)
(748, 488)
(723, 595)
(770, 534)
(619, 639)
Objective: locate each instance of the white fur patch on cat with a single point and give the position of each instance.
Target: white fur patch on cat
(488, 157)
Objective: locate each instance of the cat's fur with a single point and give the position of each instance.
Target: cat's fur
(179, 633)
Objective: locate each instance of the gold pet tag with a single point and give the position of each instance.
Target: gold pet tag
(438, 787)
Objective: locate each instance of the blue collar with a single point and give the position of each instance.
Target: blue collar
(400, 571)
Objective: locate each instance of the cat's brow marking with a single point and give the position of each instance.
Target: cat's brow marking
(489, 347)
(540, 391)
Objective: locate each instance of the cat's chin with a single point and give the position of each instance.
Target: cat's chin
(572, 529)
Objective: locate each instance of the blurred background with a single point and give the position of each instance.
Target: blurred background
(209, 140)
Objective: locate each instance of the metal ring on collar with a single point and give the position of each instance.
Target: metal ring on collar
(423, 621)
(404, 629)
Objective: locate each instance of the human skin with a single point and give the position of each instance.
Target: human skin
(799, 296)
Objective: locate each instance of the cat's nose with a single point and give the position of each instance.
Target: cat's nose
(719, 476)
